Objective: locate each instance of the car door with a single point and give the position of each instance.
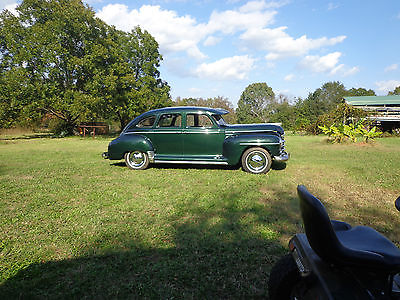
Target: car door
(166, 137)
(202, 138)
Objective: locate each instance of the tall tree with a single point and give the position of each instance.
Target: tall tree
(131, 83)
(256, 103)
(48, 45)
(284, 112)
(321, 101)
(65, 62)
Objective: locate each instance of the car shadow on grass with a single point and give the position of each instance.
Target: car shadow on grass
(183, 166)
(277, 166)
(226, 251)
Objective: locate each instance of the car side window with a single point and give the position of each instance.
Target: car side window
(170, 120)
(198, 120)
(146, 122)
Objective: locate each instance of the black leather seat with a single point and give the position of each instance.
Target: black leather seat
(338, 243)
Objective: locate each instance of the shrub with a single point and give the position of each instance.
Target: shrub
(340, 133)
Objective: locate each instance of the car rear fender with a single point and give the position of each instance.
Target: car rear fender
(129, 142)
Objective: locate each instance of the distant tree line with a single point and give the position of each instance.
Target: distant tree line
(259, 104)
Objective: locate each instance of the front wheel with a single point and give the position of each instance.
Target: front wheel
(256, 160)
(284, 280)
(136, 160)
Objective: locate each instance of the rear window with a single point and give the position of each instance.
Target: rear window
(146, 122)
(170, 120)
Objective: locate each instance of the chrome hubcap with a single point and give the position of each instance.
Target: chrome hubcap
(136, 159)
(256, 161)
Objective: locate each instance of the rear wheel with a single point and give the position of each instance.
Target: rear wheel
(136, 160)
(256, 160)
(284, 280)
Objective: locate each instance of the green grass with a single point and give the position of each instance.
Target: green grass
(76, 226)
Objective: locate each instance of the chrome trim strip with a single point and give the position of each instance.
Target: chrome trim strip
(195, 162)
(251, 131)
(203, 132)
(257, 144)
(141, 132)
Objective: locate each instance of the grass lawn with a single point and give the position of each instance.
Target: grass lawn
(76, 226)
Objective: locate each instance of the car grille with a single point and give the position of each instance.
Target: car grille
(282, 145)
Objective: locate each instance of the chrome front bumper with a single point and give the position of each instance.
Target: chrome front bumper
(284, 156)
(105, 155)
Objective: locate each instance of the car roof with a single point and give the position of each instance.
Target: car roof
(189, 109)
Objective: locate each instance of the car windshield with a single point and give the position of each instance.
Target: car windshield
(220, 120)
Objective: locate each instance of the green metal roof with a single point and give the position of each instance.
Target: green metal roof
(373, 100)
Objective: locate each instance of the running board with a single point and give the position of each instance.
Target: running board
(195, 162)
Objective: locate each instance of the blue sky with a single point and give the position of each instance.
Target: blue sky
(217, 48)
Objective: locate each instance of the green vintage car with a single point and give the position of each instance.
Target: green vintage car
(197, 135)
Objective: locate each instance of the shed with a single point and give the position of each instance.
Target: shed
(385, 110)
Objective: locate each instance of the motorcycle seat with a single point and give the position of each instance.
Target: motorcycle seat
(340, 244)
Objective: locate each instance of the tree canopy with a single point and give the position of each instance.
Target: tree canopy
(58, 59)
(256, 103)
(354, 92)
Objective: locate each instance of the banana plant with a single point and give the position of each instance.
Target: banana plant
(369, 134)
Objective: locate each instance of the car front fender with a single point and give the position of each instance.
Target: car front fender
(235, 145)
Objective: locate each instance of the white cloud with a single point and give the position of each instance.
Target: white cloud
(236, 67)
(211, 41)
(261, 5)
(332, 6)
(250, 23)
(322, 64)
(271, 65)
(351, 71)
(393, 67)
(232, 21)
(173, 33)
(279, 44)
(289, 77)
(177, 33)
(388, 85)
(328, 64)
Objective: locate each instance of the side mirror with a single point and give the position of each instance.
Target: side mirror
(397, 203)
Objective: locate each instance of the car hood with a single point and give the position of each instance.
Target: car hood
(256, 128)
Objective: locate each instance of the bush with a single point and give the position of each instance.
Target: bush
(60, 127)
(340, 133)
